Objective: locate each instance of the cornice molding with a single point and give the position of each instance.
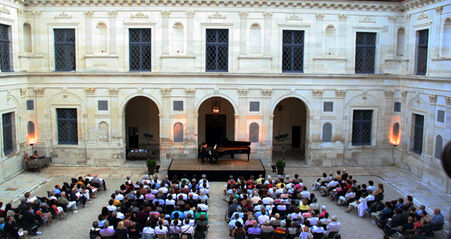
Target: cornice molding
(342, 5)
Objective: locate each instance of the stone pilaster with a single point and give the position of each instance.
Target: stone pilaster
(243, 33)
(165, 31)
(112, 29)
(89, 33)
(267, 40)
(189, 33)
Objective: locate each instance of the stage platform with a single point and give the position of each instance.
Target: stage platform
(216, 172)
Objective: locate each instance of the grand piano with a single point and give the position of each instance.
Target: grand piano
(230, 147)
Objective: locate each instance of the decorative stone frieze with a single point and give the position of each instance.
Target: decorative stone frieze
(391, 18)
(112, 13)
(166, 91)
(190, 91)
(266, 92)
(5, 10)
(293, 17)
(39, 92)
(114, 91)
(367, 19)
(139, 15)
(90, 91)
(342, 17)
(63, 15)
(319, 16)
(242, 92)
(422, 16)
(165, 13)
(340, 93)
(89, 13)
(433, 99)
(389, 93)
(216, 16)
(317, 93)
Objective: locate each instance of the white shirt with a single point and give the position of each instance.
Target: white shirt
(203, 207)
(332, 184)
(333, 227)
(148, 230)
(188, 229)
(305, 194)
(313, 221)
(318, 229)
(163, 230)
(262, 219)
(232, 223)
(111, 208)
(267, 200)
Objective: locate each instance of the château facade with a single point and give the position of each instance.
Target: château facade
(352, 83)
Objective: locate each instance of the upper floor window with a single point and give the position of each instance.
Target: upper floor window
(293, 51)
(64, 49)
(5, 49)
(217, 50)
(140, 49)
(365, 52)
(418, 121)
(361, 127)
(422, 52)
(9, 141)
(67, 126)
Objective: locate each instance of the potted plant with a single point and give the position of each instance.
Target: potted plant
(280, 165)
(151, 165)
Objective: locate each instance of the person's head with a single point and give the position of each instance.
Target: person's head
(436, 211)
(106, 224)
(380, 186)
(238, 225)
(120, 225)
(334, 218)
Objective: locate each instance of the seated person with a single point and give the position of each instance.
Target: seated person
(437, 220)
(35, 155)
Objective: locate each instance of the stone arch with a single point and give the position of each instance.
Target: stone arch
(327, 132)
(308, 105)
(133, 95)
(370, 101)
(400, 42)
(206, 97)
(27, 37)
(418, 103)
(103, 132)
(77, 99)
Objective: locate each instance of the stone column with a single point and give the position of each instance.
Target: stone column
(435, 34)
(89, 32)
(113, 15)
(267, 126)
(191, 137)
(117, 120)
(339, 133)
(241, 125)
(165, 127)
(341, 44)
(267, 41)
(165, 31)
(314, 118)
(36, 40)
(243, 33)
(91, 115)
(319, 35)
(189, 33)
(393, 35)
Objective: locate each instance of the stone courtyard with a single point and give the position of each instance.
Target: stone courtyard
(76, 225)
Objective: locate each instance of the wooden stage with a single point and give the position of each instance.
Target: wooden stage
(216, 172)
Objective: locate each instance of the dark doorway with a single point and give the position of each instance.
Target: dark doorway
(215, 128)
(133, 137)
(296, 136)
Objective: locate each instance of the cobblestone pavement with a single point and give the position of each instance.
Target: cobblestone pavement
(76, 225)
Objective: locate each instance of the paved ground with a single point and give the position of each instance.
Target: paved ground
(76, 225)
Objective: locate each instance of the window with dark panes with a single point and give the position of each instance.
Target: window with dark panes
(5, 49)
(9, 140)
(441, 116)
(30, 105)
(397, 107)
(418, 134)
(102, 105)
(177, 105)
(254, 106)
(365, 52)
(253, 132)
(361, 127)
(178, 132)
(140, 53)
(67, 126)
(327, 132)
(438, 147)
(293, 51)
(422, 52)
(217, 50)
(64, 49)
(328, 106)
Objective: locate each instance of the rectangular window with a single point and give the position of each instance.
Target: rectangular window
(361, 127)
(67, 126)
(397, 107)
(102, 105)
(178, 105)
(140, 53)
(441, 116)
(5, 49)
(30, 105)
(328, 106)
(254, 106)
(365, 52)
(293, 51)
(9, 141)
(217, 50)
(422, 51)
(418, 134)
(64, 49)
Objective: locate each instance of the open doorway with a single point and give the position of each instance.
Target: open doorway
(289, 130)
(142, 128)
(216, 120)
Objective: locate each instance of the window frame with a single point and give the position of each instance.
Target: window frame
(418, 47)
(292, 46)
(130, 44)
(12, 125)
(216, 45)
(76, 119)
(371, 133)
(65, 44)
(414, 136)
(8, 41)
(367, 47)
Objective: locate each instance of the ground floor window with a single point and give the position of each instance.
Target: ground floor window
(361, 127)
(8, 133)
(67, 126)
(418, 121)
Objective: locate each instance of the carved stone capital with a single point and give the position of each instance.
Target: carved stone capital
(166, 91)
(404, 94)
(389, 93)
(391, 18)
(165, 13)
(266, 92)
(439, 9)
(267, 15)
(39, 92)
(190, 13)
(317, 93)
(114, 91)
(36, 13)
(422, 16)
(433, 99)
(89, 13)
(242, 92)
(243, 14)
(190, 91)
(112, 14)
(342, 17)
(319, 16)
(90, 91)
(340, 93)
(217, 15)
(23, 92)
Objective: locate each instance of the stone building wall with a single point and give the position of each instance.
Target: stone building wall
(254, 74)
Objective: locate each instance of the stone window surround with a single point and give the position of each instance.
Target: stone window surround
(63, 25)
(348, 125)
(126, 49)
(332, 131)
(229, 26)
(308, 44)
(54, 126)
(378, 52)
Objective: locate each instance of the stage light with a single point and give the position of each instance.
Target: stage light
(394, 136)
